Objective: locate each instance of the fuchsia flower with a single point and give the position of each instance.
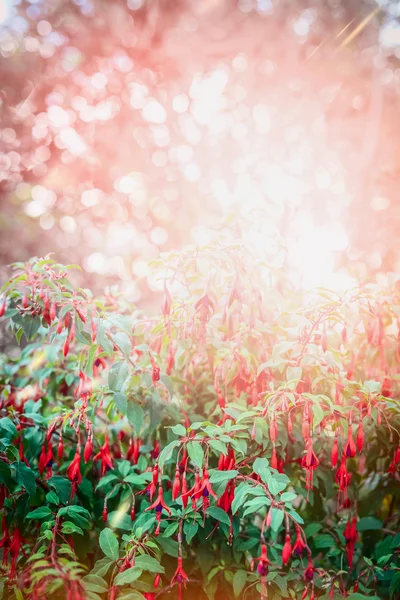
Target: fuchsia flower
(286, 550)
(299, 546)
(263, 562)
(105, 456)
(158, 505)
(351, 537)
(309, 571)
(74, 469)
(350, 447)
(200, 489)
(179, 577)
(310, 462)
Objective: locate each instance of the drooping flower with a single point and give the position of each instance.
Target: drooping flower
(263, 562)
(351, 537)
(179, 577)
(104, 456)
(158, 505)
(299, 546)
(360, 437)
(350, 447)
(74, 469)
(334, 453)
(286, 550)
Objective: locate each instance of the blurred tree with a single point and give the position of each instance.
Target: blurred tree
(127, 126)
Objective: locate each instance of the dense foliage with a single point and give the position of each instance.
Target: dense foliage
(245, 443)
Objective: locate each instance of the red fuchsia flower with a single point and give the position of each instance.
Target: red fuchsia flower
(14, 549)
(263, 562)
(156, 450)
(299, 546)
(158, 505)
(324, 339)
(176, 487)
(98, 365)
(225, 501)
(60, 448)
(204, 491)
(286, 550)
(334, 453)
(53, 311)
(273, 430)
(309, 571)
(87, 453)
(351, 537)
(3, 306)
(74, 469)
(155, 370)
(84, 388)
(104, 456)
(167, 302)
(179, 577)
(310, 462)
(205, 307)
(350, 448)
(171, 358)
(360, 437)
(46, 458)
(343, 478)
(274, 459)
(184, 490)
(93, 325)
(194, 493)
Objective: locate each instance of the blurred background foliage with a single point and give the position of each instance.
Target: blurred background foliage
(132, 127)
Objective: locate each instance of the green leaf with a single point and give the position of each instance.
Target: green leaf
(288, 497)
(275, 486)
(7, 428)
(62, 486)
(94, 583)
(68, 527)
(170, 530)
(178, 429)
(135, 416)
(190, 529)
(218, 446)
(318, 414)
(358, 596)
(196, 453)
(121, 402)
(277, 518)
(221, 476)
(39, 513)
(90, 359)
(259, 465)
(128, 576)
(148, 563)
(369, 524)
(239, 581)
(109, 543)
(240, 493)
(106, 480)
(166, 453)
(5, 473)
(122, 341)
(26, 477)
(217, 513)
(103, 340)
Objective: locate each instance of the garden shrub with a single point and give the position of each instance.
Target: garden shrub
(244, 443)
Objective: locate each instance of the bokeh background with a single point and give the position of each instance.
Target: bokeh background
(133, 127)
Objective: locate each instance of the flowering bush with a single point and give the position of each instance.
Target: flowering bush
(243, 444)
